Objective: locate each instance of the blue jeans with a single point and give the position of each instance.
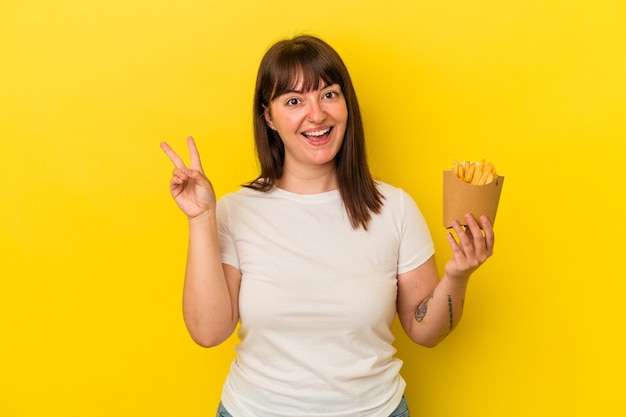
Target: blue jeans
(401, 411)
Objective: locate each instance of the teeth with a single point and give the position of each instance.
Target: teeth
(320, 133)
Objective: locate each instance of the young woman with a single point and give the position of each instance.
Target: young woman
(315, 258)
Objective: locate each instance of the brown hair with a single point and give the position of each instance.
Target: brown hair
(313, 61)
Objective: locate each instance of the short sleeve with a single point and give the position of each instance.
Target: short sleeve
(416, 244)
(228, 249)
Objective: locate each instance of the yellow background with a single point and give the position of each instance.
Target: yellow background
(93, 248)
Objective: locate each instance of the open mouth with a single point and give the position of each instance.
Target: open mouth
(318, 135)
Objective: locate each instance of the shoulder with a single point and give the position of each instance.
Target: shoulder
(399, 204)
(392, 195)
(255, 202)
(242, 195)
(236, 201)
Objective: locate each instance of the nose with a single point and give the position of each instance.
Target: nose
(317, 114)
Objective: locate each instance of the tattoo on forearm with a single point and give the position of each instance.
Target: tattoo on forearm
(420, 313)
(450, 311)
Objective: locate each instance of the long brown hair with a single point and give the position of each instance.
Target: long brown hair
(312, 61)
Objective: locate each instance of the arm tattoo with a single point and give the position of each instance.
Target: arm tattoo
(450, 311)
(420, 313)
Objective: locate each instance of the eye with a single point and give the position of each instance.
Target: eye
(330, 94)
(292, 101)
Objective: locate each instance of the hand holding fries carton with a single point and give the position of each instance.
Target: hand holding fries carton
(470, 187)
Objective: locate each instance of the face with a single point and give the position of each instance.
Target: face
(311, 124)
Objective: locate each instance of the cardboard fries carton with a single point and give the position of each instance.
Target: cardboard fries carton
(460, 198)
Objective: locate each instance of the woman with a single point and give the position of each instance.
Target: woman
(314, 258)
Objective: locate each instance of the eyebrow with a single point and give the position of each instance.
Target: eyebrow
(322, 86)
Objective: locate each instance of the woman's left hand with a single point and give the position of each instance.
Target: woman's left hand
(473, 248)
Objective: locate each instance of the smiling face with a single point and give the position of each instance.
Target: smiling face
(306, 116)
(311, 125)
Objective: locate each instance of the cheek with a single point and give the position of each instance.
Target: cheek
(341, 118)
(287, 123)
(342, 114)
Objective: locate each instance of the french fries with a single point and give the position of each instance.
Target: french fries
(474, 173)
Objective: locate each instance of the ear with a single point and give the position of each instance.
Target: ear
(268, 117)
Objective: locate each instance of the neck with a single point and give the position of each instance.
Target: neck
(308, 182)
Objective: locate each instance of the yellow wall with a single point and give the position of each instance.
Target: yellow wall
(92, 247)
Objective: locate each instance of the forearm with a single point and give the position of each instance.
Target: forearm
(436, 316)
(207, 305)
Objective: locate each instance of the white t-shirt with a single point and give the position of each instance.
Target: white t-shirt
(317, 301)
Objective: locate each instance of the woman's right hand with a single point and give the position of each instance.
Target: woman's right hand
(189, 186)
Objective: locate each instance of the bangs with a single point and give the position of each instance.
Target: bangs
(303, 69)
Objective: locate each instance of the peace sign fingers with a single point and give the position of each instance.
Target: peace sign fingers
(190, 188)
(178, 161)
